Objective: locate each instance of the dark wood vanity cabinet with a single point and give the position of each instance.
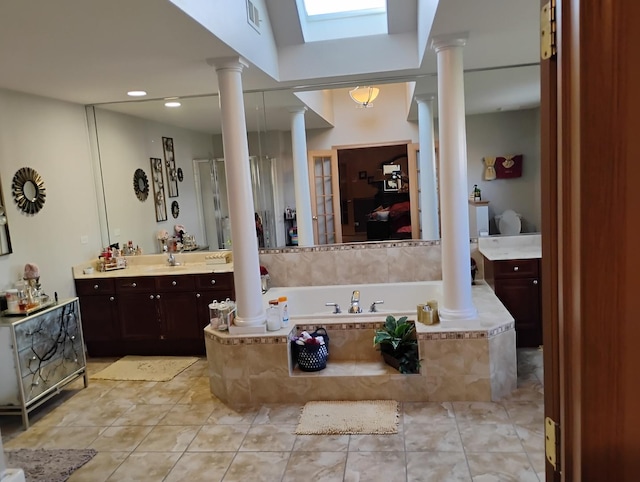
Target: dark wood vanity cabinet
(149, 315)
(516, 283)
(99, 312)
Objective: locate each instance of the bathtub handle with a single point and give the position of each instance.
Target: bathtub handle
(372, 308)
(335, 305)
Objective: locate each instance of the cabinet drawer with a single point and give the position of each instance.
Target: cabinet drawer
(135, 285)
(175, 283)
(95, 286)
(516, 268)
(215, 281)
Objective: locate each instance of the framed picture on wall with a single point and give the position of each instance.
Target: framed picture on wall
(158, 189)
(392, 185)
(170, 163)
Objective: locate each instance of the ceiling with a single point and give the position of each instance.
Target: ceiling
(91, 52)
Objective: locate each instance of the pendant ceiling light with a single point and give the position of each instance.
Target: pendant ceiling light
(364, 96)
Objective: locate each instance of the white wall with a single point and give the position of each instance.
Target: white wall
(513, 132)
(126, 143)
(51, 137)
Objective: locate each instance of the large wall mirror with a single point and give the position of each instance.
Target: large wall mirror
(502, 118)
(5, 239)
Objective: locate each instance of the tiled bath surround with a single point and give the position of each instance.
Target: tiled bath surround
(337, 264)
(468, 360)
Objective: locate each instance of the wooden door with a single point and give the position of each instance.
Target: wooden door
(590, 230)
(325, 197)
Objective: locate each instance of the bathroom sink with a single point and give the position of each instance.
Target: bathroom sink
(166, 268)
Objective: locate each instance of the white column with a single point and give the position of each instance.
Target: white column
(428, 181)
(244, 243)
(454, 213)
(301, 177)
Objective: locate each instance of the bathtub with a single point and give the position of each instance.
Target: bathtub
(400, 299)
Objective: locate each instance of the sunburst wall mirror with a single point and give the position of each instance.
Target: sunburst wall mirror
(141, 184)
(28, 190)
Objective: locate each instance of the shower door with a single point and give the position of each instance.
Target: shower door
(211, 190)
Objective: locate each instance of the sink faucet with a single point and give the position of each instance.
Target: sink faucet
(171, 259)
(372, 308)
(355, 302)
(336, 307)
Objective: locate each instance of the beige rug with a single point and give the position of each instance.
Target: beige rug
(344, 417)
(44, 465)
(145, 368)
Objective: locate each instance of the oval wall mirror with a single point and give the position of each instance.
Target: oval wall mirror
(141, 184)
(28, 190)
(175, 209)
(180, 174)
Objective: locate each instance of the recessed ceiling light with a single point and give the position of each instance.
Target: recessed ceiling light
(136, 93)
(172, 103)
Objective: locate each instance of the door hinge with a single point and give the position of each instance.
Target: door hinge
(548, 30)
(552, 443)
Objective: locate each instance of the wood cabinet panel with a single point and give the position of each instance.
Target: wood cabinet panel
(95, 287)
(516, 268)
(139, 318)
(135, 285)
(179, 315)
(99, 318)
(175, 283)
(214, 281)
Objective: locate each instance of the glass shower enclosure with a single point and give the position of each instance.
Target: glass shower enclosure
(211, 191)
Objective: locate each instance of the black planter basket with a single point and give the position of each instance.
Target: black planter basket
(311, 358)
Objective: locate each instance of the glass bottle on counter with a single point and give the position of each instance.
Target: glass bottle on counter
(273, 316)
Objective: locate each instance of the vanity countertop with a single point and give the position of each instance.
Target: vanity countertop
(156, 265)
(499, 248)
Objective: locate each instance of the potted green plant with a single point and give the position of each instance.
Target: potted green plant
(398, 344)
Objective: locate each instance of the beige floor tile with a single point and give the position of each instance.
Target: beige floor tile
(427, 412)
(383, 466)
(143, 466)
(143, 415)
(198, 395)
(501, 467)
(168, 438)
(532, 436)
(537, 460)
(269, 438)
(200, 467)
(223, 415)
(56, 437)
(376, 443)
(437, 467)
(95, 415)
(257, 467)
(118, 439)
(187, 414)
(524, 413)
(435, 437)
(489, 437)
(316, 466)
(276, 414)
(480, 412)
(219, 438)
(321, 443)
(99, 468)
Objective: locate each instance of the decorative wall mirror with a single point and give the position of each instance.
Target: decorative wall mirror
(141, 184)
(28, 190)
(175, 209)
(180, 174)
(5, 240)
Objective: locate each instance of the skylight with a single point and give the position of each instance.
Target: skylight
(340, 19)
(338, 7)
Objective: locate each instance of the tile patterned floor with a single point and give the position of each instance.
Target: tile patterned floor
(177, 431)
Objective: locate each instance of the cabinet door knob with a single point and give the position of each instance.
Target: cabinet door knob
(535, 281)
(157, 297)
(111, 298)
(134, 285)
(197, 295)
(213, 281)
(95, 287)
(515, 268)
(151, 297)
(173, 283)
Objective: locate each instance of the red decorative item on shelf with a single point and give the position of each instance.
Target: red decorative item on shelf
(508, 167)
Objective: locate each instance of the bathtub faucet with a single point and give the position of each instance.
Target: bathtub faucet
(336, 307)
(355, 302)
(372, 308)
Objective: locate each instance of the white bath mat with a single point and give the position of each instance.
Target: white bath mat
(348, 417)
